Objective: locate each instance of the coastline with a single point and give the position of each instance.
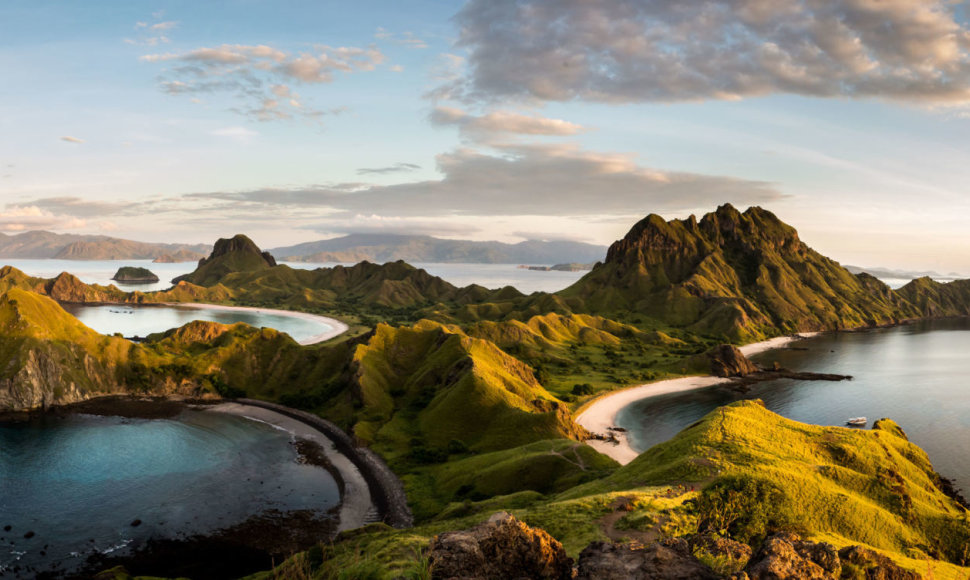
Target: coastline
(337, 327)
(357, 508)
(599, 415)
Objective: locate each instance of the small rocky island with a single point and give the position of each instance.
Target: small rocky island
(134, 275)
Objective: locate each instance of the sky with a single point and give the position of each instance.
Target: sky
(292, 121)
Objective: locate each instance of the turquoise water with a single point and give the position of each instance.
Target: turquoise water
(918, 375)
(144, 320)
(79, 482)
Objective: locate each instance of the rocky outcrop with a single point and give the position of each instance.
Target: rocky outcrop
(873, 565)
(667, 560)
(786, 556)
(501, 548)
(134, 275)
(727, 361)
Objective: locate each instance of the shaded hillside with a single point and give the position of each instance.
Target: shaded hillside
(937, 299)
(740, 275)
(41, 244)
(391, 248)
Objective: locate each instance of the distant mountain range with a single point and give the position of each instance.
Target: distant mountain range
(382, 248)
(44, 245)
(902, 274)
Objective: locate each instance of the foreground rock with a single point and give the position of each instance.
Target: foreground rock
(501, 548)
(786, 556)
(670, 559)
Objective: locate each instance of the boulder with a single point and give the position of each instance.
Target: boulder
(784, 556)
(501, 548)
(669, 559)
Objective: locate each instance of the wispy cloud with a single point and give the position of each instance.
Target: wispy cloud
(396, 168)
(153, 33)
(621, 51)
(534, 180)
(407, 39)
(70, 139)
(260, 75)
(500, 123)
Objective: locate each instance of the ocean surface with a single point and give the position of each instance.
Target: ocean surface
(78, 482)
(918, 375)
(134, 320)
(488, 275)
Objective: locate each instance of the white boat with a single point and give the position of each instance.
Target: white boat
(857, 421)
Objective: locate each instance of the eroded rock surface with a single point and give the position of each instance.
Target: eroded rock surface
(501, 548)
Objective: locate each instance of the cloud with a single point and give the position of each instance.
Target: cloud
(76, 206)
(396, 168)
(23, 218)
(533, 180)
(152, 33)
(407, 39)
(72, 140)
(498, 123)
(259, 75)
(622, 51)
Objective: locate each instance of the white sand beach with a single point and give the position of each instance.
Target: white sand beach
(601, 414)
(337, 327)
(356, 508)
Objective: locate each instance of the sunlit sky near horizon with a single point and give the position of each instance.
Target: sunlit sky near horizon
(489, 119)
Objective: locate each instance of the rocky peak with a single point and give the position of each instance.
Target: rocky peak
(238, 244)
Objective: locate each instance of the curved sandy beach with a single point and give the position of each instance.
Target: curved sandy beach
(356, 505)
(601, 414)
(338, 327)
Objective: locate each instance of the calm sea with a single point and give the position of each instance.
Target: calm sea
(79, 482)
(918, 375)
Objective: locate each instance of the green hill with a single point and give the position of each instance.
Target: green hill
(741, 472)
(741, 275)
(48, 357)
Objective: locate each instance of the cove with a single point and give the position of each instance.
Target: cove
(916, 374)
(75, 484)
(142, 320)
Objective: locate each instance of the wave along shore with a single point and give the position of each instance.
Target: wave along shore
(337, 327)
(601, 414)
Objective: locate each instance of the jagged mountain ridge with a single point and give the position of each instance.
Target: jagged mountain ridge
(741, 275)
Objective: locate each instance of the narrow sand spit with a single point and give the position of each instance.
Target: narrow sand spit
(356, 507)
(337, 327)
(601, 414)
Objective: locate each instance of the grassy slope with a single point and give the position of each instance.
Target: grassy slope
(835, 484)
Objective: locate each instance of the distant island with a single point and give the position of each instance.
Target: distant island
(35, 245)
(134, 275)
(571, 267)
(380, 248)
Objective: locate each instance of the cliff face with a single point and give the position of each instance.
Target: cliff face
(48, 357)
(236, 254)
(739, 275)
